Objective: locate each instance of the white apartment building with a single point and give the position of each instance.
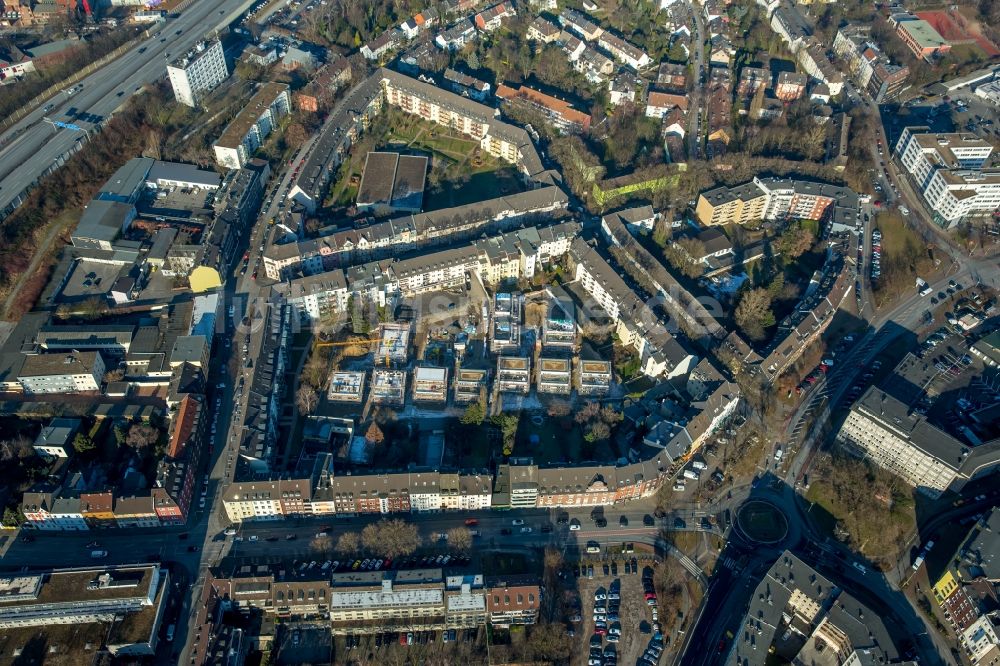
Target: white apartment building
(80, 596)
(317, 297)
(247, 131)
(948, 171)
(62, 373)
(893, 437)
(197, 72)
(980, 641)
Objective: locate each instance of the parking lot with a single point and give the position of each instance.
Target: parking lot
(609, 613)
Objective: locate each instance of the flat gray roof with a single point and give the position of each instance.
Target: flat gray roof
(185, 173)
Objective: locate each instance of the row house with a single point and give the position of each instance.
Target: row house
(97, 509)
(388, 41)
(625, 87)
(671, 77)
(372, 602)
(135, 511)
(420, 23)
(457, 36)
(541, 30)
(465, 85)
(623, 51)
(594, 65)
(492, 18)
(510, 603)
(580, 24)
(54, 510)
(529, 486)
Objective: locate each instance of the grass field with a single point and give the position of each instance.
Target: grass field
(904, 256)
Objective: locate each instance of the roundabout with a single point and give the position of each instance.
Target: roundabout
(761, 522)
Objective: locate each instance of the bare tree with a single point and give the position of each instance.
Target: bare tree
(322, 545)
(391, 538)
(348, 543)
(142, 435)
(460, 538)
(306, 400)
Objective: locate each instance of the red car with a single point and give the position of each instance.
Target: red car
(471, 521)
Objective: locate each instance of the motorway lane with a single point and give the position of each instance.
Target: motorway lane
(38, 146)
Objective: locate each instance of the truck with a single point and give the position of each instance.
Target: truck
(98, 554)
(778, 453)
(691, 474)
(922, 287)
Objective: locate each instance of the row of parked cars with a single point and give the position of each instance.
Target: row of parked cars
(876, 254)
(607, 625)
(651, 655)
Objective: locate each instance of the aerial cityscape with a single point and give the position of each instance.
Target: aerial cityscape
(572, 332)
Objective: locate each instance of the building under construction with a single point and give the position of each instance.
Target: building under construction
(346, 387)
(395, 342)
(430, 384)
(388, 387)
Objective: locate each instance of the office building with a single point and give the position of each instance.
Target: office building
(947, 169)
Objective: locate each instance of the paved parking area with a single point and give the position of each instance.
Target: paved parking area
(634, 616)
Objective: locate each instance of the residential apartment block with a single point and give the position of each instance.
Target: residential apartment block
(892, 436)
(514, 255)
(470, 384)
(559, 112)
(947, 169)
(370, 602)
(513, 374)
(198, 72)
(412, 232)
(776, 198)
(555, 375)
(827, 625)
(869, 67)
(966, 592)
(72, 372)
(636, 324)
(247, 131)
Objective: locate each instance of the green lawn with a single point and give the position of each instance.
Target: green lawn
(480, 186)
(501, 564)
(559, 439)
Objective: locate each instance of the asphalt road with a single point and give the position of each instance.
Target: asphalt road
(32, 148)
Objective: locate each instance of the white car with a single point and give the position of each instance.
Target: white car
(517, 522)
(574, 526)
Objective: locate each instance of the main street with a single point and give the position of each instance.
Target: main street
(32, 148)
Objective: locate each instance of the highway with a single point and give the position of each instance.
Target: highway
(32, 148)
